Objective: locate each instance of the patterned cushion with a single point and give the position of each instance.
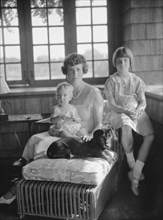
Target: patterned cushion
(90, 171)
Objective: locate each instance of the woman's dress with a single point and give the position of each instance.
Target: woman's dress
(37, 145)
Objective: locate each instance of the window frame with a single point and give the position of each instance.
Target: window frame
(27, 61)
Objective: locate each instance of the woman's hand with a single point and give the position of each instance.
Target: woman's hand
(87, 137)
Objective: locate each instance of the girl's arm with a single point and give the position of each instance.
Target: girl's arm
(109, 91)
(141, 99)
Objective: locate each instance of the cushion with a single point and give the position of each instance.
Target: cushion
(91, 171)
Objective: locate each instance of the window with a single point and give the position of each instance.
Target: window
(36, 35)
(92, 36)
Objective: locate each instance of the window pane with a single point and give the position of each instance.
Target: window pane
(11, 36)
(86, 50)
(40, 36)
(40, 54)
(41, 71)
(2, 70)
(12, 54)
(100, 51)
(83, 34)
(89, 74)
(0, 35)
(56, 35)
(38, 3)
(54, 3)
(101, 68)
(55, 16)
(1, 55)
(102, 19)
(57, 53)
(83, 16)
(99, 2)
(56, 72)
(9, 17)
(10, 3)
(13, 72)
(39, 17)
(100, 33)
(82, 2)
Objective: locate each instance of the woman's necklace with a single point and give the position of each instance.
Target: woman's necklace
(79, 92)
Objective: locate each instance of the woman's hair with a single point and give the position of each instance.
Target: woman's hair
(72, 60)
(122, 52)
(66, 86)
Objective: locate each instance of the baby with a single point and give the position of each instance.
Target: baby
(64, 117)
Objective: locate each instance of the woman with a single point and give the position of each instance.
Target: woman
(88, 101)
(125, 93)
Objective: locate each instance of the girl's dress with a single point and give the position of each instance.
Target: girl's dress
(72, 125)
(126, 96)
(37, 145)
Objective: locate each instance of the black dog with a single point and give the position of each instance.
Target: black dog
(76, 148)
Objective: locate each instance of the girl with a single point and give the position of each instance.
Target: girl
(125, 93)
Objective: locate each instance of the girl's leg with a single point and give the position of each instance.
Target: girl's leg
(145, 147)
(142, 156)
(127, 143)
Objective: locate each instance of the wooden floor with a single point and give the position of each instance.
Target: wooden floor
(123, 204)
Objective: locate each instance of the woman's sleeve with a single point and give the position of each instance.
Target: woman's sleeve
(76, 115)
(98, 105)
(109, 90)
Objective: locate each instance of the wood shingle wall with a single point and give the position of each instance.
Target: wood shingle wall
(143, 33)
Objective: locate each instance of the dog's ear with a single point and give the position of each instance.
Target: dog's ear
(98, 133)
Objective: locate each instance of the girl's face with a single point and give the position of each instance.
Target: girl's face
(74, 73)
(63, 96)
(123, 64)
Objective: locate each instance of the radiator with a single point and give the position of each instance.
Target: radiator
(62, 200)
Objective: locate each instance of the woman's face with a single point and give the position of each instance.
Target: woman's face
(74, 73)
(123, 64)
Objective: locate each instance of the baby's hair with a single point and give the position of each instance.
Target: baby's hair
(122, 52)
(72, 60)
(66, 86)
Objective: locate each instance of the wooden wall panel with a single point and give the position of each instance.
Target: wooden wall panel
(32, 105)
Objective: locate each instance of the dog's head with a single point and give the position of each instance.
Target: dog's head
(110, 135)
(99, 138)
(58, 149)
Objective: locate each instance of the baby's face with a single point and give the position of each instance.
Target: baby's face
(63, 96)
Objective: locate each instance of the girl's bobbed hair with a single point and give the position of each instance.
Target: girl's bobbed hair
(122, 52)
(72, 60)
